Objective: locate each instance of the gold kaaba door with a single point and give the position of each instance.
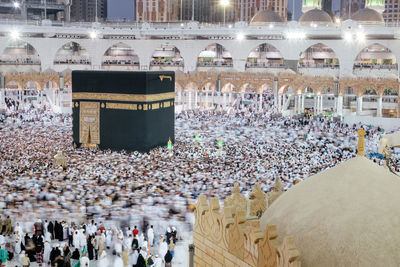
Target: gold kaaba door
(89, 123)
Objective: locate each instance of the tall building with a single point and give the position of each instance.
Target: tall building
(211, 11)
(57, 10)
(327, 6)
(392, 11)
(310, 4)
(157, 10)
(351, 6)
(85, 10)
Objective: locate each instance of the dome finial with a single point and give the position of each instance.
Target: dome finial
(311, 4)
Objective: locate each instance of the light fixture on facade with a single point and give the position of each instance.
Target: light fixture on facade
(295, 35)
(240, 36)
(15, 34)
(93, 35)
(16, 4)
(348, 37)
(360, 36)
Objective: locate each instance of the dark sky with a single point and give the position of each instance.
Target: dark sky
(120, 9)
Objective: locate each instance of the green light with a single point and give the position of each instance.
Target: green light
(374, 3)
(169, 144)
(312, 3)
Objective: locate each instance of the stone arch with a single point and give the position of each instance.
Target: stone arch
(286, 89)
(248, 88)
(207, 86)
(228, 87)
(375, 56)
(51, 84)
(12, 84)
(309, 90)
(265, 55)
(72, 53)
(19, 52)
(318, 55)
(350, 91)
(214, 55)
(29, 84)
(390, 92)
(178, 86)
(167, 55)
(266, 89)
(120, 54)
(191, 86)
(370, 91)
(327, 90)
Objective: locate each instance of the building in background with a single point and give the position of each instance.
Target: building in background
(327, 6)
(57, 10)
(211, 11)
(85, 10)
(392, 11)
(157, 10)
(351, 6)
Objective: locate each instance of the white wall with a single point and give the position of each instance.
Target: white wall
(386, 123)
(190, 49)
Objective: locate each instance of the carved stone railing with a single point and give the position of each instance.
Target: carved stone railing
(229, 237)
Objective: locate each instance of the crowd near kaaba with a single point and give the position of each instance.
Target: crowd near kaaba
(109, 208)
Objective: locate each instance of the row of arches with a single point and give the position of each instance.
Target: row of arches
(317, 56)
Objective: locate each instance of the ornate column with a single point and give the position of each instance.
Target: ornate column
(296, 101)
(213, 99)
(321, 101)
(302, 103)
(276, 97)
(195, 99)
(230, 98)
(339, 105)
(261, 102)
(224, 100)
(242, 98)
(2, 93)
(379, 110)
(189, 99)
(315, 104)
(206, 100)
(359, 105)
(280, 103)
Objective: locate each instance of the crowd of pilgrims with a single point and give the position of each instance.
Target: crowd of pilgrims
(135, 206)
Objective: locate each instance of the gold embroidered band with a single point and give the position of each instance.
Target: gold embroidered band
(123, 97)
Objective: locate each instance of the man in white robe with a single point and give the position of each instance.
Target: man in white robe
(150, 235)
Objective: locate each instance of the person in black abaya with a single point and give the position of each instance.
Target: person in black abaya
(54, 254)
(58, 231)
(39, 246)
(30, 248)
(90, 248)
(140, 262)
(75, 257)
(50, 229)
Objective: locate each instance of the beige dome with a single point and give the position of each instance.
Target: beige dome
(348, 215)
(315, 15)
(367, 14)
(265, 16)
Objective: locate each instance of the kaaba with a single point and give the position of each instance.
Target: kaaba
(119, 110)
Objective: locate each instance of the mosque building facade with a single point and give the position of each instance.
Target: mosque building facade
(319, 64)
